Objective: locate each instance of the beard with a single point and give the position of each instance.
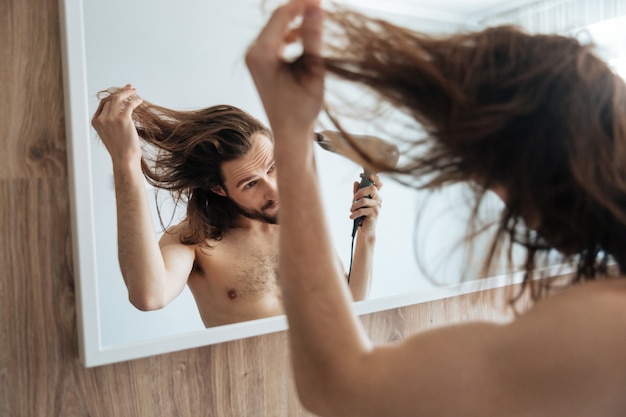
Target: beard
(259, 215)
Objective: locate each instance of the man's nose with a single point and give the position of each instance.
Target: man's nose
(271, 188)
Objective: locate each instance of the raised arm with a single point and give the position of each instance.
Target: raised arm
(564, 358)
(153, 277)
(366, 203)
(323, 331)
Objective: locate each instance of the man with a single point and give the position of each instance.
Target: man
(220, 161)
(538, 119)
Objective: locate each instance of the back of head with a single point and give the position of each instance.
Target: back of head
(539, 116)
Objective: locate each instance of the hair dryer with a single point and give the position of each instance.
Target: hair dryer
(376, 148)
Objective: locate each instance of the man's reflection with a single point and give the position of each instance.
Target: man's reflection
(219, 161)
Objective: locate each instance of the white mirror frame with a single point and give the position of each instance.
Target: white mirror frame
(92, 351)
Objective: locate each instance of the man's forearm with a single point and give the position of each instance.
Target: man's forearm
(362, 267)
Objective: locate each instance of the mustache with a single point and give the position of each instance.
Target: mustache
(269, 205)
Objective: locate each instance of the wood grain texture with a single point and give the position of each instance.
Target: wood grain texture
(40, 373)
(33, 144)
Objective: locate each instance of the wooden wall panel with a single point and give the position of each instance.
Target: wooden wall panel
(33, 142)
(40, 374)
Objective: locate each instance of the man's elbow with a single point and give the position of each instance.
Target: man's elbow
(326, 395)
(314, 399)
(146, 302)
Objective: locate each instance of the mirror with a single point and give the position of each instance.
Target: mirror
(189, 54)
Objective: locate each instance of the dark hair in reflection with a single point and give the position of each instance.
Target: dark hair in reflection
(185, 157)
(538, 116)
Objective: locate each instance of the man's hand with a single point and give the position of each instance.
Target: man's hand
(367, 203)
(292, 99)
(114, 124)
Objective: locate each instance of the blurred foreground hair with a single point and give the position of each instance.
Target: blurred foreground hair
(540, 117)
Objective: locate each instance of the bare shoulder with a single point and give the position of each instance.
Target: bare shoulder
(591, 316)
(568, 352)
(598, 305)
(565, 356)
(178, 257)
(173, 234)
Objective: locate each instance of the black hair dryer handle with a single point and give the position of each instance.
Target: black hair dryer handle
(365, 182)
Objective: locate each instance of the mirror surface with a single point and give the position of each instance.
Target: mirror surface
(187, 55)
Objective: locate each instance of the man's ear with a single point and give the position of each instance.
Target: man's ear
(217, 189)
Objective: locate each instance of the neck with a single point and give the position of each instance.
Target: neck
(244, 222)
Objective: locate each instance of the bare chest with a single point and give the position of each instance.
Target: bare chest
(239, 266)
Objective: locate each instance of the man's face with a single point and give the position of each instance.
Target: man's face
(250, 182)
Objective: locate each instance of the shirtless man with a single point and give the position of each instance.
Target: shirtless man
(539, 119)
(220, 160)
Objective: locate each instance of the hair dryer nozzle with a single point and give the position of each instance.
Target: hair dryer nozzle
(377, 150)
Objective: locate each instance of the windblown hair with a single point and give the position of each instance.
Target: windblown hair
(540, 116)
(186, 156)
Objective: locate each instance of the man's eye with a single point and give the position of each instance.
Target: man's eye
(272, 168)
(249, 185)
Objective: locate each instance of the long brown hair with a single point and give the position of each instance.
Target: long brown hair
(186, 155)
(540, 116)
